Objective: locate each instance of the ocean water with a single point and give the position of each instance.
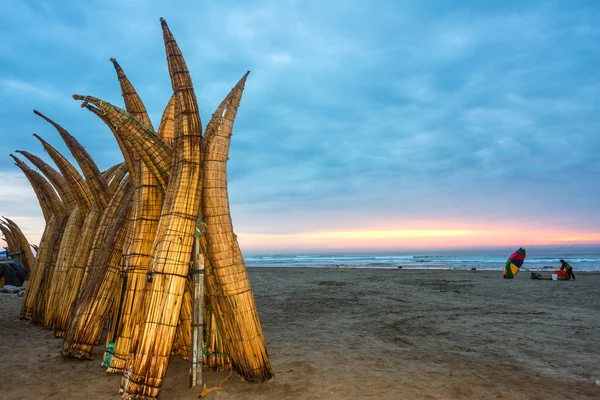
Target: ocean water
(538, 259)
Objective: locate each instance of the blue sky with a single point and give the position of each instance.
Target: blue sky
(357, 116)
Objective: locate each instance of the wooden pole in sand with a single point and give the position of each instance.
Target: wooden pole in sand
(197, 313)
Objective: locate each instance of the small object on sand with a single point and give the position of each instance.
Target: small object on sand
(10, 289)
(473, 269)
(399, 266)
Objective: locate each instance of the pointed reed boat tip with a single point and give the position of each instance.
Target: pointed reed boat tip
(39, 114)
(115, 63)
(17, 160)
(85, 104)
(78, 97)
(243, 80)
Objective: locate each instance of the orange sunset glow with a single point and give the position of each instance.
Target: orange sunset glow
(414, 238)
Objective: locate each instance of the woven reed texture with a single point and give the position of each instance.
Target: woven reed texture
(51, 206)
(166, 129)
(107, 219)
(147, 205)
(43, 293)
(76, 270)
(94, 179)
(118, 177)
(100, 193)
(82, 194)
(124, 145)
(72, 178)
(153, 150)
(103, 280)
(182, 344)
(150, 232)
(49, 202)
(64, 256)
(133, 102)
(11, 240)
(24, 244)
(55, 178)
(214, 355)
(174, 240)
(242, 333)
(109, 173)
(32, 290)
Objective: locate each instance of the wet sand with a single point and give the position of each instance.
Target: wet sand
(377, 334)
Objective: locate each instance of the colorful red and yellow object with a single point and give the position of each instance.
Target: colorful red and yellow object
(514, 262)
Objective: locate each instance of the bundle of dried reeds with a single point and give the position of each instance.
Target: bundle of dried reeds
(238, 318)
(117, 177)
(103, 279)
(99, 191)
(166, 129)
(55, 178)
(153, 150)
(52, 209)
(109, 173)
(174, 240)
(79, 188)
(145, 222)
(182, 344)
(12, 241)
(147, 205)
(26, 253)
(94, 179)
(69, 204)
(54, 214)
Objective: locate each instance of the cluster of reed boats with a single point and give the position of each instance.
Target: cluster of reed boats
(117, 246)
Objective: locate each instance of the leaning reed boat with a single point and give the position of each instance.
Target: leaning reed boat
(118, 244)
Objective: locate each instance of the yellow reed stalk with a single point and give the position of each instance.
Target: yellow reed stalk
(73, 179)
(11, 240)
(174, 240)
(153, 150)
(109, 173)
(183, 335)
(117, 177)
(71, 234)
(242, 333)
(99, 191)
(37, 292)
(166, 128)
(126, 148)
(103, 280)
(27, 254)
(53, 210)
(76, 270)
(147, 205)
(94, 179)
(56, 179)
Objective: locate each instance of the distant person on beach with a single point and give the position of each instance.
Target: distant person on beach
(565, 265)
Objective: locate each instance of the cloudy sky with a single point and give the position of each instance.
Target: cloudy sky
(364, 125)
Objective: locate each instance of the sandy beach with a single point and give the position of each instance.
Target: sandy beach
(376, 334)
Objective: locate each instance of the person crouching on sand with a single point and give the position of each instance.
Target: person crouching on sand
(563, 265)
